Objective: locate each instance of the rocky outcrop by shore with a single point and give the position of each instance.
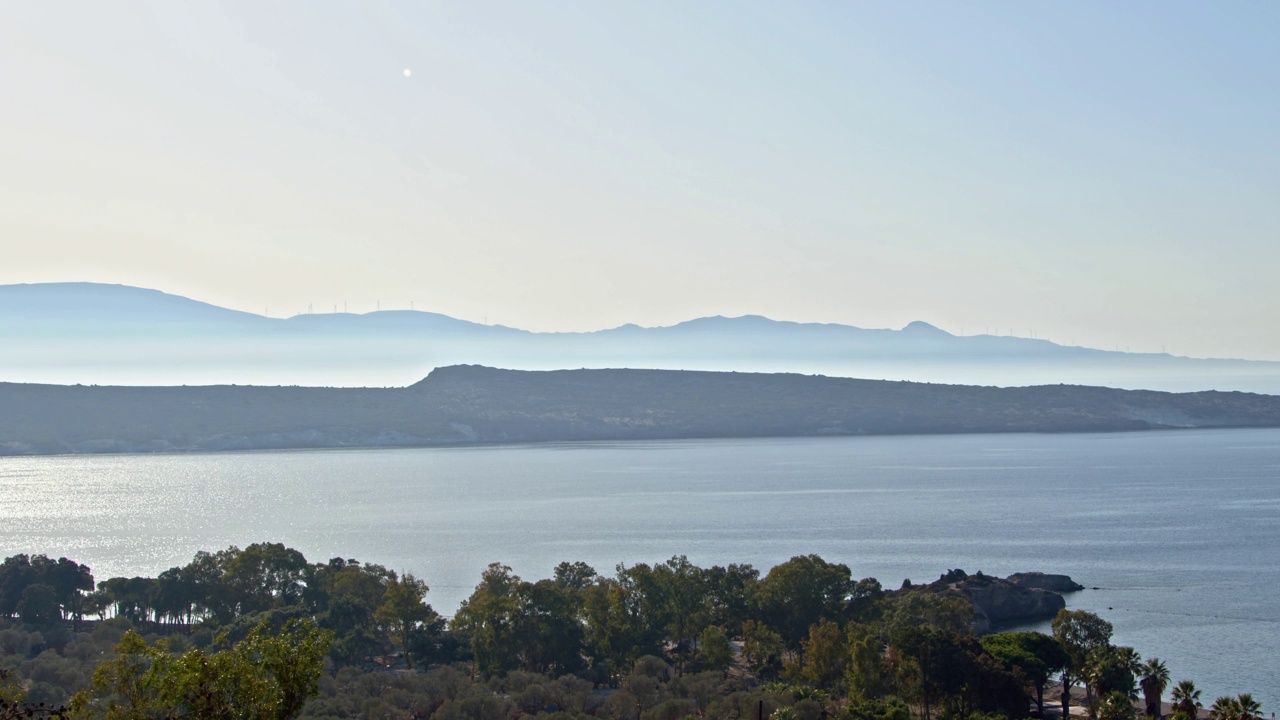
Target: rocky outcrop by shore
(1045, 581)
(997, 600)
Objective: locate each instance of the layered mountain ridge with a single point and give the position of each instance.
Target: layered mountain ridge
(68, 333)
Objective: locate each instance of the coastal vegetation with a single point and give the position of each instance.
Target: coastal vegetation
(261, 632)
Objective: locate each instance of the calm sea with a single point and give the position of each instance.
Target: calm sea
(1179, 532)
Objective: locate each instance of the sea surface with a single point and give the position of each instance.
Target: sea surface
(1176, 533)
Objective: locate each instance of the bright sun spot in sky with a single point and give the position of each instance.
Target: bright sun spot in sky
(407, 72)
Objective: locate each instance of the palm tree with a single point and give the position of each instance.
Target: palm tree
(1112, 669)
(1129, 659)
(1225, 708)
(1155, 678)
(1186, 699)
(1250, 709)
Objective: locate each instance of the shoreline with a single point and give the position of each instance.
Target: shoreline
(1053, 704)
(604, 442)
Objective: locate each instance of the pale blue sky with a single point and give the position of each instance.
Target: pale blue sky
(1105, 174)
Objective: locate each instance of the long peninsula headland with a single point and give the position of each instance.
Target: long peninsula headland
(461, 405)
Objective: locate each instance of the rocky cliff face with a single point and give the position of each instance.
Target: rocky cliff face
(1002, 602)
(996, 600)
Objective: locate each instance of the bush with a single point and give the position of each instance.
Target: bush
(890, 709)
(621, 705)
(1116, 706)
(672, 709)
(474, 707)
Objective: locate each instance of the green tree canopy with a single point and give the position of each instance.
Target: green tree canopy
(265, 576)
(1082, 635)
(730, 592)
(801, 591)
(1038, 656)
(263, 677)
(714, 651)
(39, 605)
(549, 634)
(489, 617)
(825, 656)
(404, 611)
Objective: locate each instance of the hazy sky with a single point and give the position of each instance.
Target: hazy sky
(1102, 173)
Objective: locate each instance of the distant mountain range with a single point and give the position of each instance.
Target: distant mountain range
(472, 404)
(88, 333)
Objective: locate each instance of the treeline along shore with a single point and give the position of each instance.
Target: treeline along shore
(261, 632)
(472, 404)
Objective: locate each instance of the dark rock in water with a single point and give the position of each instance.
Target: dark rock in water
(1044, 581)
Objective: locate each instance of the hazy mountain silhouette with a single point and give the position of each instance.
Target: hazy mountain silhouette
(112, 334)
(53, 306)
